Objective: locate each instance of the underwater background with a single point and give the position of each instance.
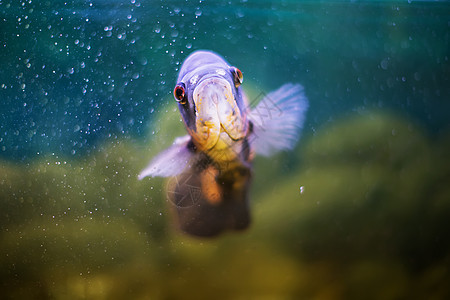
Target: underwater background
(360, 208)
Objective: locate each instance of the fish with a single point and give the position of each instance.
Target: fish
(210, 168)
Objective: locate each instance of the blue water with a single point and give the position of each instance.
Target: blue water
(77, 73)
(358, 210)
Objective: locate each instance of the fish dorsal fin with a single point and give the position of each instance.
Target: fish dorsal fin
(171, 161)
(278, 119)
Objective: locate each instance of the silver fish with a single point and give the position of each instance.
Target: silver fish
(210, 168)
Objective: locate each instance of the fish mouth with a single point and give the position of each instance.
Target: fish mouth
(216, 113)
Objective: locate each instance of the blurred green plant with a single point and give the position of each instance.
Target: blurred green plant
(360, 210)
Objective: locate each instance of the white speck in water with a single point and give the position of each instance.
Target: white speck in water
(394, 132)
(302, 189)
(384, 63)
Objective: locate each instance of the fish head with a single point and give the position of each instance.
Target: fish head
(211, 101)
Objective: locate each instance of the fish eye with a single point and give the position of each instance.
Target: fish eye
(237, 76)
(179, 93)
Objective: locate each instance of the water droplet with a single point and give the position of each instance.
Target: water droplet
(384, 63)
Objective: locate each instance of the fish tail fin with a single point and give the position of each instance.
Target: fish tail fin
(205, 203)
(277, 119)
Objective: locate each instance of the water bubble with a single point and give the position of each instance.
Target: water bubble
(384, 63)
(417, 76)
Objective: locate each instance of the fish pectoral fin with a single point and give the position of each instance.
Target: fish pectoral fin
(277, 120)
(171, 161)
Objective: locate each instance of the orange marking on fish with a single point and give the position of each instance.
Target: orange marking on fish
(210, 188)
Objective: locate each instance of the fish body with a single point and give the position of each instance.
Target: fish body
(210, 168)
(214, 108)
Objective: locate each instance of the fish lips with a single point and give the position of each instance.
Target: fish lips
(216, 112)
